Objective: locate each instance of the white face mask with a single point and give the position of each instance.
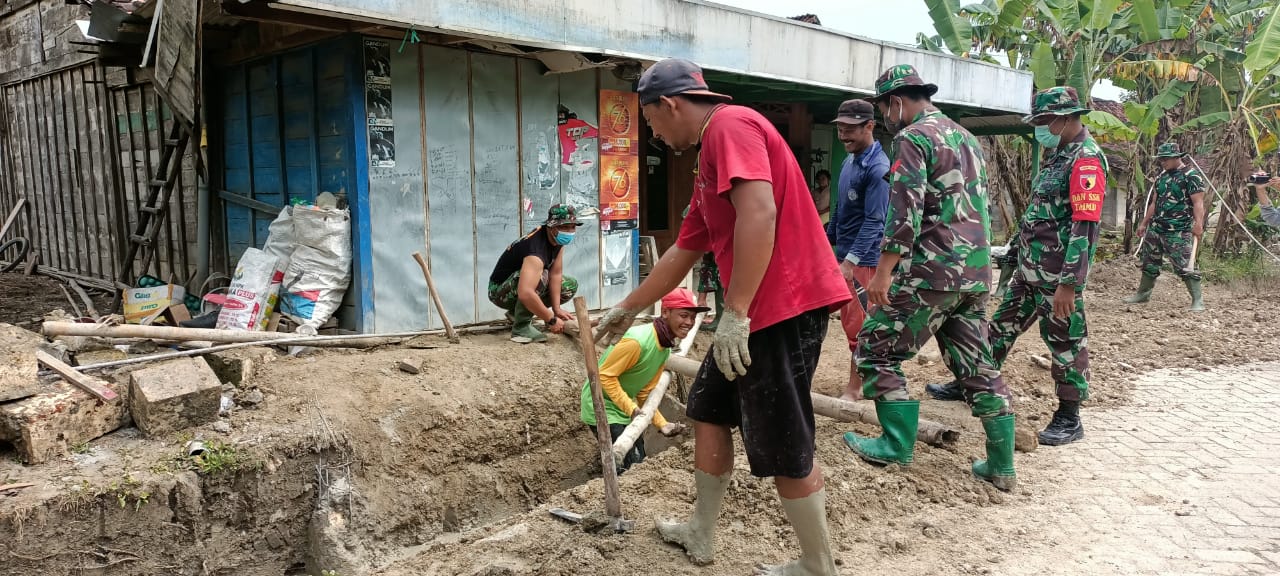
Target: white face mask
(894, 124)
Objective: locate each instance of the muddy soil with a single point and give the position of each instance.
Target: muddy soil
(451, 471)
(884, 518)
(24, 300)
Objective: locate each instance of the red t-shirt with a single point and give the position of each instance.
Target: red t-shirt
(739, 144)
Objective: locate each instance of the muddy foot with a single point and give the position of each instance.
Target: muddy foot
(700, 547)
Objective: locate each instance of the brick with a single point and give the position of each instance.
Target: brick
(44, 427)
(174, 395)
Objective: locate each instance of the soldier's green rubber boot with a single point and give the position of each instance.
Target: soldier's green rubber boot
(897, 445)
(1197, 294)
(522, 329)
(1144, 291)
(998, 467)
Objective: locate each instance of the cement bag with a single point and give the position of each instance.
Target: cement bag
(252, 291)
(320, 267)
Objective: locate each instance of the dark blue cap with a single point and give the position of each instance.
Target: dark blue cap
(673, 77)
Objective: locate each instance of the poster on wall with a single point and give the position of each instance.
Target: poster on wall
(382, 146)
(578, 141)
(377, 62)
(377, 90)
(620, 159)
(617, 259)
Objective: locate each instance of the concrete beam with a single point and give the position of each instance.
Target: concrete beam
(717, 37)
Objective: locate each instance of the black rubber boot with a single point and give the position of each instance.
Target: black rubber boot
(1065, 427)
(949, 392)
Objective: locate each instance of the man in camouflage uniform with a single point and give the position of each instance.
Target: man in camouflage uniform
(1175, 219)
(1055, 245)
(932, 279)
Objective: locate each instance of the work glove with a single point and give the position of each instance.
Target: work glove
(672, 429)
(614, 324)
(730, 345)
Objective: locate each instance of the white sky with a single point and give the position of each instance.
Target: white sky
(893, 20)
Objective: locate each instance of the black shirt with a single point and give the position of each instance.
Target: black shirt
(535, 243)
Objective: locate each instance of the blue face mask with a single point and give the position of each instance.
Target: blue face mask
(1046, 137)
(564, 238)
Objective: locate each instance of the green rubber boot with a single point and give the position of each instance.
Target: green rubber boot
(719, 296)
(1144, 291)
(1197, 294)
(998, 467)
(900, 420)
(522, 329)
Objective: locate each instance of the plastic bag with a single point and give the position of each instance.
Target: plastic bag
(319, 268)
(252, 292)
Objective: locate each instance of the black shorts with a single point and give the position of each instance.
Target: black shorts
(771, 402)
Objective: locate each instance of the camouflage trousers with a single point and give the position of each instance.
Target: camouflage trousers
(505, 296)
(893, 334)
(1067, 339)
(1176, 245)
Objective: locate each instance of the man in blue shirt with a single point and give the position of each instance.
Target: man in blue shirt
(857, 222)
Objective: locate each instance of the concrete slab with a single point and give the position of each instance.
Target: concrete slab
(18, 363)
(44, 427)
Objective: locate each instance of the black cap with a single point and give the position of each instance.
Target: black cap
(854, 112)
(673, 77)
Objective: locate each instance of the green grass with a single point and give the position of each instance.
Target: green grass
(1248, 268)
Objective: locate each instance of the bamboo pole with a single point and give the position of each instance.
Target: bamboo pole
(612, 498)
(640, 422)
(435, 297)
(932, 433)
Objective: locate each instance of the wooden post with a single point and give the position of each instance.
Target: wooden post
(612, 499)
(435, 297)
(13, 215)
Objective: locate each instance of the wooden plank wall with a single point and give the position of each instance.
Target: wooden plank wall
(81, 153)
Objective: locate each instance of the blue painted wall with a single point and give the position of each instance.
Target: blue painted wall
(292, 129)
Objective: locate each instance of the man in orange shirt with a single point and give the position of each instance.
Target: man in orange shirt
(630, 370)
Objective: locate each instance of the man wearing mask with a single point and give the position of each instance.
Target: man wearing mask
(751, 207)
(630, 369)
(1174, 221)
(528, 281)
(857, 224)
(1055, 246)
(932, 279)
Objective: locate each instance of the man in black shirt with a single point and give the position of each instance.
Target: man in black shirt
(529, 279)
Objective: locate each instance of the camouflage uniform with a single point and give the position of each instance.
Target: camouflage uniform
(939, 222)
(1056, 243)
(1170, 231)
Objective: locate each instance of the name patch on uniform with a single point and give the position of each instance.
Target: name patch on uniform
(1088, 188)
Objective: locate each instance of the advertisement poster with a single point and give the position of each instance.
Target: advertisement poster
(377, 90)
(382, 146)
(619, 188)
(620, 159)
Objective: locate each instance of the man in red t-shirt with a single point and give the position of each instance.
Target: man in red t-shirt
(752, 208)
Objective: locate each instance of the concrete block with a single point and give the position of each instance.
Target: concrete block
(44, 427)
(18, 363)
(174, 395)
(238, 367)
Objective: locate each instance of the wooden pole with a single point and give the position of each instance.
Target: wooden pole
(612, 499)
(930, 432)
(641, 421)
(1144, 215)
(435, 297)
(1191, 264)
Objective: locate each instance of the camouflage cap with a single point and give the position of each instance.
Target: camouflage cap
(562, 215)
(898, 77)
(1056, 101)
(1169, 150)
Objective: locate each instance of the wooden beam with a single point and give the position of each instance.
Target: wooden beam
(89, 384)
